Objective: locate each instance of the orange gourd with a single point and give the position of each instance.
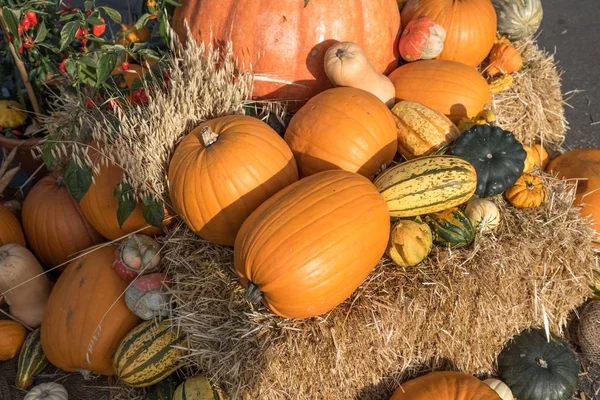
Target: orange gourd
(504, 59)
(86, 316)
(10, 228)
(470, 26)
(223, 170)
(55, 227)
(285, 41)
(422, 39)
(584, 165)
(446, 385)
(307, 248)
(454, 89)
(528, 192)
(541, 157)
(343, 128)
(12, 337)
(346, 64)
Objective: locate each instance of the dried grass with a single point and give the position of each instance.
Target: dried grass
(533, 108)
(453, 312)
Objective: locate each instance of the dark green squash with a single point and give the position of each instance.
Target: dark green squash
(451, 227)
(163, 390)
(497, 156)
(32, 360)
(535, 369)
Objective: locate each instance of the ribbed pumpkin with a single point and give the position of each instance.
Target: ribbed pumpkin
(13, 335)
(504, 59)
(32, 360)
(454, 89)
(426, 185)
(10, 228)
(223, 170)
(483, 213)
(421, 130)
(307, 248)
(147, 355)
(518, 18)
(410, 242)
(285, 41)
(446, 385)
(451, 227)
(198, 387)
(86, 316)
(55, 227)
(470, 26)
(99, 206)
(528, 192)
(501, 388)
(343, 128)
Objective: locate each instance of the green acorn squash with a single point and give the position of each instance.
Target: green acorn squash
(451, 227)
(163, 390)
(498, 157)
(518, 18)
(535, 369)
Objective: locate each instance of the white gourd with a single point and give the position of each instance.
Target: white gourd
(501, 388)
(484, 214)
(47, 391)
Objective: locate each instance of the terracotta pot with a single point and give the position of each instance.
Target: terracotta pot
(28, 163)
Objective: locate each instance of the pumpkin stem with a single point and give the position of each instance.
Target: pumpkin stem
(60, 181)
(208, 136)
(253, 293)
(3, 255)
(342, 53)
(542, 363)
(530, 185)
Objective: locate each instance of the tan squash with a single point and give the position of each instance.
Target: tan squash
(28, 301)
(12, 337)
(346, 64)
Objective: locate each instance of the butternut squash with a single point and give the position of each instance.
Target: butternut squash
(346, 64)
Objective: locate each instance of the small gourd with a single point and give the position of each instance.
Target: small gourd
(32, 360)
(47, 391)
(483, 117)
(500, 387)
(12, 336)
(410, 242)
(528, 192)
(198, 387)
(136, 254)
(451, 228)
(422, 39)
(483, 213)
(148, 296)
(501, 83)
(518, 18)
(11, 114)
(504, 59)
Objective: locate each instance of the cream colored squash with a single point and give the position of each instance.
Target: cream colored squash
(346, 64)
(484, 214)
(501, 388)
(47, 391)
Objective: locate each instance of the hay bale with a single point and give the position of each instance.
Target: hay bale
(455, 311)
(533, 107)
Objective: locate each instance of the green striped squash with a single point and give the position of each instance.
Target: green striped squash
(163, 390)
(198, 388)
(427, 185)
(146, 355)
(518, 19)
(32, 360)
(451, 227)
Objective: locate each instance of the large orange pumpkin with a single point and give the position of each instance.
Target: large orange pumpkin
(223, 170)
(343, 128)
(446, 385)
(54, 224)
(86, 316)
(10, 228)
(582, 164)
(99, 206)
(452, 88)
(307, 248)
(285, 41)
(470, 26)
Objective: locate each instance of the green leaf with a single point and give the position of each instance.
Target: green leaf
(106, 63)
(154, 211)
(50, 144)
(126, 202)
(94, 21)
(48, 46)
(71, 67)
(67, 34)
(88, 60)
(112, 14)
(164, 32)
(42, 33)
(306, 3)
(142, 21)
(88, 4)
(176, 4)
(78, 179)
(11, 21)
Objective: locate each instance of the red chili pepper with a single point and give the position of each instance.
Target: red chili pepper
(139, 97)
(17, 132)
(88, 13)
(125, 66)
(112, 104)
(98, 30)
(28, 43)
(89, 103)
(20, 30)
(21, 49)
(26, 24)
(61, 66)
(153, 16)
(81, 32)
(72, 10)
(32, 17)
(83, 40)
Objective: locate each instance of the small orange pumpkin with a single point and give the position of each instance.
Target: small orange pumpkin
(540, 156)
(504, 59)
(12, 337)
(55, 227)
(445, 385)
(10, 228)
(528, 192)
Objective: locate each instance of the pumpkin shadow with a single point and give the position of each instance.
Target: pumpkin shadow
(387, 385)
(458, 111)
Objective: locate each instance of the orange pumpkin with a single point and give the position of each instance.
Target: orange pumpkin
(470, 26)
(99, 206)
(504, 59)
(541, 157)
(223, 170)
(285, 41)
(307, 248)
(447, 385)
(452, 88)
(10, 228)
(343, 128)
(54, 224)
(86, 316)
(528, 192)
(12, 336)
(582, 164)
